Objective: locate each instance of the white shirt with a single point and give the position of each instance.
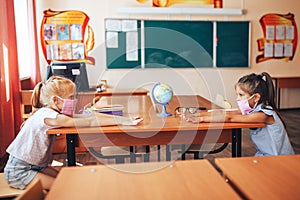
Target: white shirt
(32, 144)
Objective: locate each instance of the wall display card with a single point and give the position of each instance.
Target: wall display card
(131, 46)
(63, 32)
(65, 52)
(112, 39)
(270, 32)
(288, 49)
(52, 51)
(129, 25)
(49, 32)
(268, 50)
(76, 31)
(113, 25)
(279, 32)
(290, 32)
(278, 50)
(78, 51)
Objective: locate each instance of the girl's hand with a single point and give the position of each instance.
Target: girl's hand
(131, 122)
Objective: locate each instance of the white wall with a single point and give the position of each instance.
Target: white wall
(205, 82)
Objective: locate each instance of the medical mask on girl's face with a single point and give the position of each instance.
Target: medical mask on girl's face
(68, 107)
(244, 106)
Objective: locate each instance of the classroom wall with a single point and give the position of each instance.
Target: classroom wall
(205, 82)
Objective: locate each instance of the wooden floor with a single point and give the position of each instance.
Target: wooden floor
(290, 117)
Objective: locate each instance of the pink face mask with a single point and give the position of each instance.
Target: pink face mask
(244, 106)
(69, 106)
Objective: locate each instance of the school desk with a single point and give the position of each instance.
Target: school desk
(155, 130)
(193, 179)
(284, 82)
(268, 177)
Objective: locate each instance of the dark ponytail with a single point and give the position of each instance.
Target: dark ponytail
(270, 88)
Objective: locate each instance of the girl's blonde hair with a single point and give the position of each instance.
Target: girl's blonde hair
(54, 86)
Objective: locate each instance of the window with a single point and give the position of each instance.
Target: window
(21, 20)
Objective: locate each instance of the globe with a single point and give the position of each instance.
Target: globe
(162, 94)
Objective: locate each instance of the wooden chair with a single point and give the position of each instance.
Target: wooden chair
(26, 103)
(33, 191)
(6, 191)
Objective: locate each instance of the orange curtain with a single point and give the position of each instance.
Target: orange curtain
(35, 64)
(10, 110)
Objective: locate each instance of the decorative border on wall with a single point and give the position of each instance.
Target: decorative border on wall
(62, 36)
(280, 37)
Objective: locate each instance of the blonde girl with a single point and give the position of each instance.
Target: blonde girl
(31, 151)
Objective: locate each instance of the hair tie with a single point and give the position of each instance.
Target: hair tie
(261, 76)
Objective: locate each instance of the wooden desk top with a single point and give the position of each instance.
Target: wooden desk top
(269, 177)
(195, 179)
(142, 106)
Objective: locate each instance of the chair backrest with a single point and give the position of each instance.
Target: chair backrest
(33, 191)
(220, 101)
(26, 103)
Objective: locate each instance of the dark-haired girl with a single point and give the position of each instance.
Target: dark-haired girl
(255, 98)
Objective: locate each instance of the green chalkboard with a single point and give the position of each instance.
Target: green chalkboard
(178, 44)
(232, 44)
(185, 44)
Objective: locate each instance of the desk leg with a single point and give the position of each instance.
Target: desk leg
(278, 99)
(132, 154)
(168, 153)
(71, 149)
(237, 142)
(147, 155)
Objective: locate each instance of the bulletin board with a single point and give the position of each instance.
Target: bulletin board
(63, 36)
(123, 45)
(178, 44)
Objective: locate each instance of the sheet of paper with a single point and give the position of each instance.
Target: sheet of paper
(113, 25)
(279, 32)
(288, 49)
(129, 25)
(270, 32)
(289, 32)
(132, 46)
(268, 50)
(278, 50)
(112, 39)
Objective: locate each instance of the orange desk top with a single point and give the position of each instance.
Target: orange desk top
(268, 177)
(195, 179)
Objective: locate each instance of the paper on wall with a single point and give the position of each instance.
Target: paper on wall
(268, 50)
(132, 46)
(112, 39)
(113, 25)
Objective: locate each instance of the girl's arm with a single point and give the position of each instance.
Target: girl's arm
(87, 120)
(258, 117)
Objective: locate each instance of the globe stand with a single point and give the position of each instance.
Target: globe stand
(164, 112)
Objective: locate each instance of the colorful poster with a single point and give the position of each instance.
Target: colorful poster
(280, 37)
(62, 36)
